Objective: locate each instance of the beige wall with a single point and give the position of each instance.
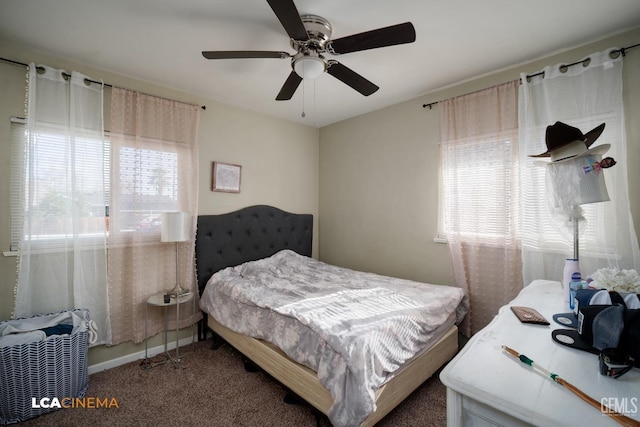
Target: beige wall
(279, 161)
(379, 172)
(371, 182)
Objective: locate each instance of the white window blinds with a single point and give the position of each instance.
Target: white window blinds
(477, 187)
(40, 193)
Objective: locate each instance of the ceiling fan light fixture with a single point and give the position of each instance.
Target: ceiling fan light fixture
(309, 67)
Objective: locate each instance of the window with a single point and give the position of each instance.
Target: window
(150, 176)
(148, 183)
(145, 177)
(44, 194)
(478, 187)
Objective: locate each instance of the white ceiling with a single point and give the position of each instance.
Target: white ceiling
(161, 41)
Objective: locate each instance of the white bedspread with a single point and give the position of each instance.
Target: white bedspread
(368, 324)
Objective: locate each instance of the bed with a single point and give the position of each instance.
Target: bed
(231, 245)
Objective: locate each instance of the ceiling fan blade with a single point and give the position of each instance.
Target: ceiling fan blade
(289, 17)
(387, 36)
(234, 54)
(289, 87)
(351, 78)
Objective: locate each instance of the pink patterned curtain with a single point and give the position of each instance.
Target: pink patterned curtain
(479, 167)
(154, 169)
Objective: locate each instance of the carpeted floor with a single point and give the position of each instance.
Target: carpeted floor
(214, 389)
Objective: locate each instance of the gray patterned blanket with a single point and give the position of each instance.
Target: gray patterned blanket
(354, 328)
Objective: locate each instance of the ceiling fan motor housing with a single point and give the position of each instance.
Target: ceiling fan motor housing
(318, 30)
(308, 63)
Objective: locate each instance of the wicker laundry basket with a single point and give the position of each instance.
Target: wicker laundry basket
(54, 367)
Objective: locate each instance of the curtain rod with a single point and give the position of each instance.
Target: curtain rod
(563, 68)
(66, 75)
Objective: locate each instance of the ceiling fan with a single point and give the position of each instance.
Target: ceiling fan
(311, 38)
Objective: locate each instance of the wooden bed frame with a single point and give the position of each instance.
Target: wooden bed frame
(260, 231)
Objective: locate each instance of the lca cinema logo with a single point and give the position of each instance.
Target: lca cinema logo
(621, 405)
(74, 402)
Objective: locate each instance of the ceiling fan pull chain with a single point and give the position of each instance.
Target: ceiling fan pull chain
(314, 103)
(303, 85)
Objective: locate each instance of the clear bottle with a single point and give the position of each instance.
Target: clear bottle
(571, 266)
(576, 283)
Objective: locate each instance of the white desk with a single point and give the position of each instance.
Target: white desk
(487, 387)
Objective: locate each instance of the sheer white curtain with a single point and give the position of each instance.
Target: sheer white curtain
(583, 96)
(62, 261)
(479, 173)
(154, 169)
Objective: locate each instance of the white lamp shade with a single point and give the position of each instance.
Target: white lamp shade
(577, 182)
(176, 227)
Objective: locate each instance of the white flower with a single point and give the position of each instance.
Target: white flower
(614, 279)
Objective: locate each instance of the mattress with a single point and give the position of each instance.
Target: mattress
(355, 329)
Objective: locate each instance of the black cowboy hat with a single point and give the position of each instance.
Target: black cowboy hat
(561, 134)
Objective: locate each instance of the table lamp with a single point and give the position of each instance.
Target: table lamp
(176, 227)
(574, 177)
(574, 183)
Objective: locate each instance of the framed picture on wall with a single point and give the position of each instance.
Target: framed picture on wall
(225, 177)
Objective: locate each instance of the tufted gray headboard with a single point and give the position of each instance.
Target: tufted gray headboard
(248, 234)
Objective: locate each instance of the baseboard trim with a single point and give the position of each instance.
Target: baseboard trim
(118, 361)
